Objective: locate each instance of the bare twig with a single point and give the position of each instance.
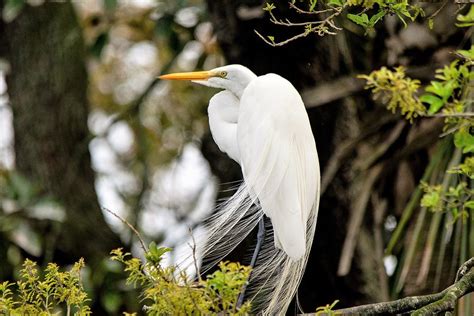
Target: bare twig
(319, 27)
(439, 10)
(135, 231)
(193, 247)
(276, 44)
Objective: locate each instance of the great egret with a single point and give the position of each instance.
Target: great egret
(261, 123)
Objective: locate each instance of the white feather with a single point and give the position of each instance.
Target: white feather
(273, 142)
(280, 166)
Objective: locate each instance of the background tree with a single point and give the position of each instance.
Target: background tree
(47, 84)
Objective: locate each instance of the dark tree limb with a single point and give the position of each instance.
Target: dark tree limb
(431, 304)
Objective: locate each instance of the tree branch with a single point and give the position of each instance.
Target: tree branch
(422, 305)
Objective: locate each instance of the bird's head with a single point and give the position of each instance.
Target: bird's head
(234, 78)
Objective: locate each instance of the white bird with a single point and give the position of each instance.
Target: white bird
(261, 123)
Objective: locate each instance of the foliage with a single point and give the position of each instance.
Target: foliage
(448, 94)
(167, 290)
(45, 293)
(396, 90)
(327, 309)
(466, 20)
(466, 168)
(402, 9)
(325, 12)
(432, 197)
(459, 199)
(447, 90)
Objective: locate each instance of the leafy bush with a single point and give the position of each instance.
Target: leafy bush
(165, 290)
(45, 293)
(171, 291)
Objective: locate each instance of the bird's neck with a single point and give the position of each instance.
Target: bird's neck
(237, 88)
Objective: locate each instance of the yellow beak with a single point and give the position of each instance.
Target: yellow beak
(196, 75)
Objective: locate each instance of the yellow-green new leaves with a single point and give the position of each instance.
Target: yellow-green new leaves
(155, 253)
(225, 285)
(466, 20)
(457, 199)
(448, 93)
(450, 79)
(45, 293)
(464, 140)
(466, 168)
(397, 90)
(467, 54)
(169, 291)
(432, 197)
(7, 304)
(327, 309)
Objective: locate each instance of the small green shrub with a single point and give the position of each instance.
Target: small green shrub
(170, 291)
(165, 290)
(45, 293)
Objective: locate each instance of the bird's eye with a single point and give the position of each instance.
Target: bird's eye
(223, 74)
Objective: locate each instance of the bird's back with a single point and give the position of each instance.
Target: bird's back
(279, 158)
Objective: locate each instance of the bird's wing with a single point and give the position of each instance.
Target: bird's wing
(278, 158)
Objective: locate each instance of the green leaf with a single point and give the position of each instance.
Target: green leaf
(313, 4)
(444, 90)
(376, 17)
(469, 54)
(469, 204)
(466, 20)
(464, 140)
(269, 7)
(430, 23)
(430, 199)
(435, 103)
(155, 253)
(362, 19)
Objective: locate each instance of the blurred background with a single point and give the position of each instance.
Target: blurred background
(85, 124)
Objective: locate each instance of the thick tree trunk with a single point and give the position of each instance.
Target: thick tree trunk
(47, 86)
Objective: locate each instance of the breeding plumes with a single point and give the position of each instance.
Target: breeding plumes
(261, 123)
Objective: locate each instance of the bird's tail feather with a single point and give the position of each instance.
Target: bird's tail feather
(276, 276)
(234, 219)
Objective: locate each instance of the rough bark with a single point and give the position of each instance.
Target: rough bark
(47, 87)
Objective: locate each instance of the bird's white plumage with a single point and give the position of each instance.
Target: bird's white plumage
(261, 123)
(223, 114)
(278, 157)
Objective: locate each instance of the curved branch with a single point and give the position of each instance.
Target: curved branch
(425, 304)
